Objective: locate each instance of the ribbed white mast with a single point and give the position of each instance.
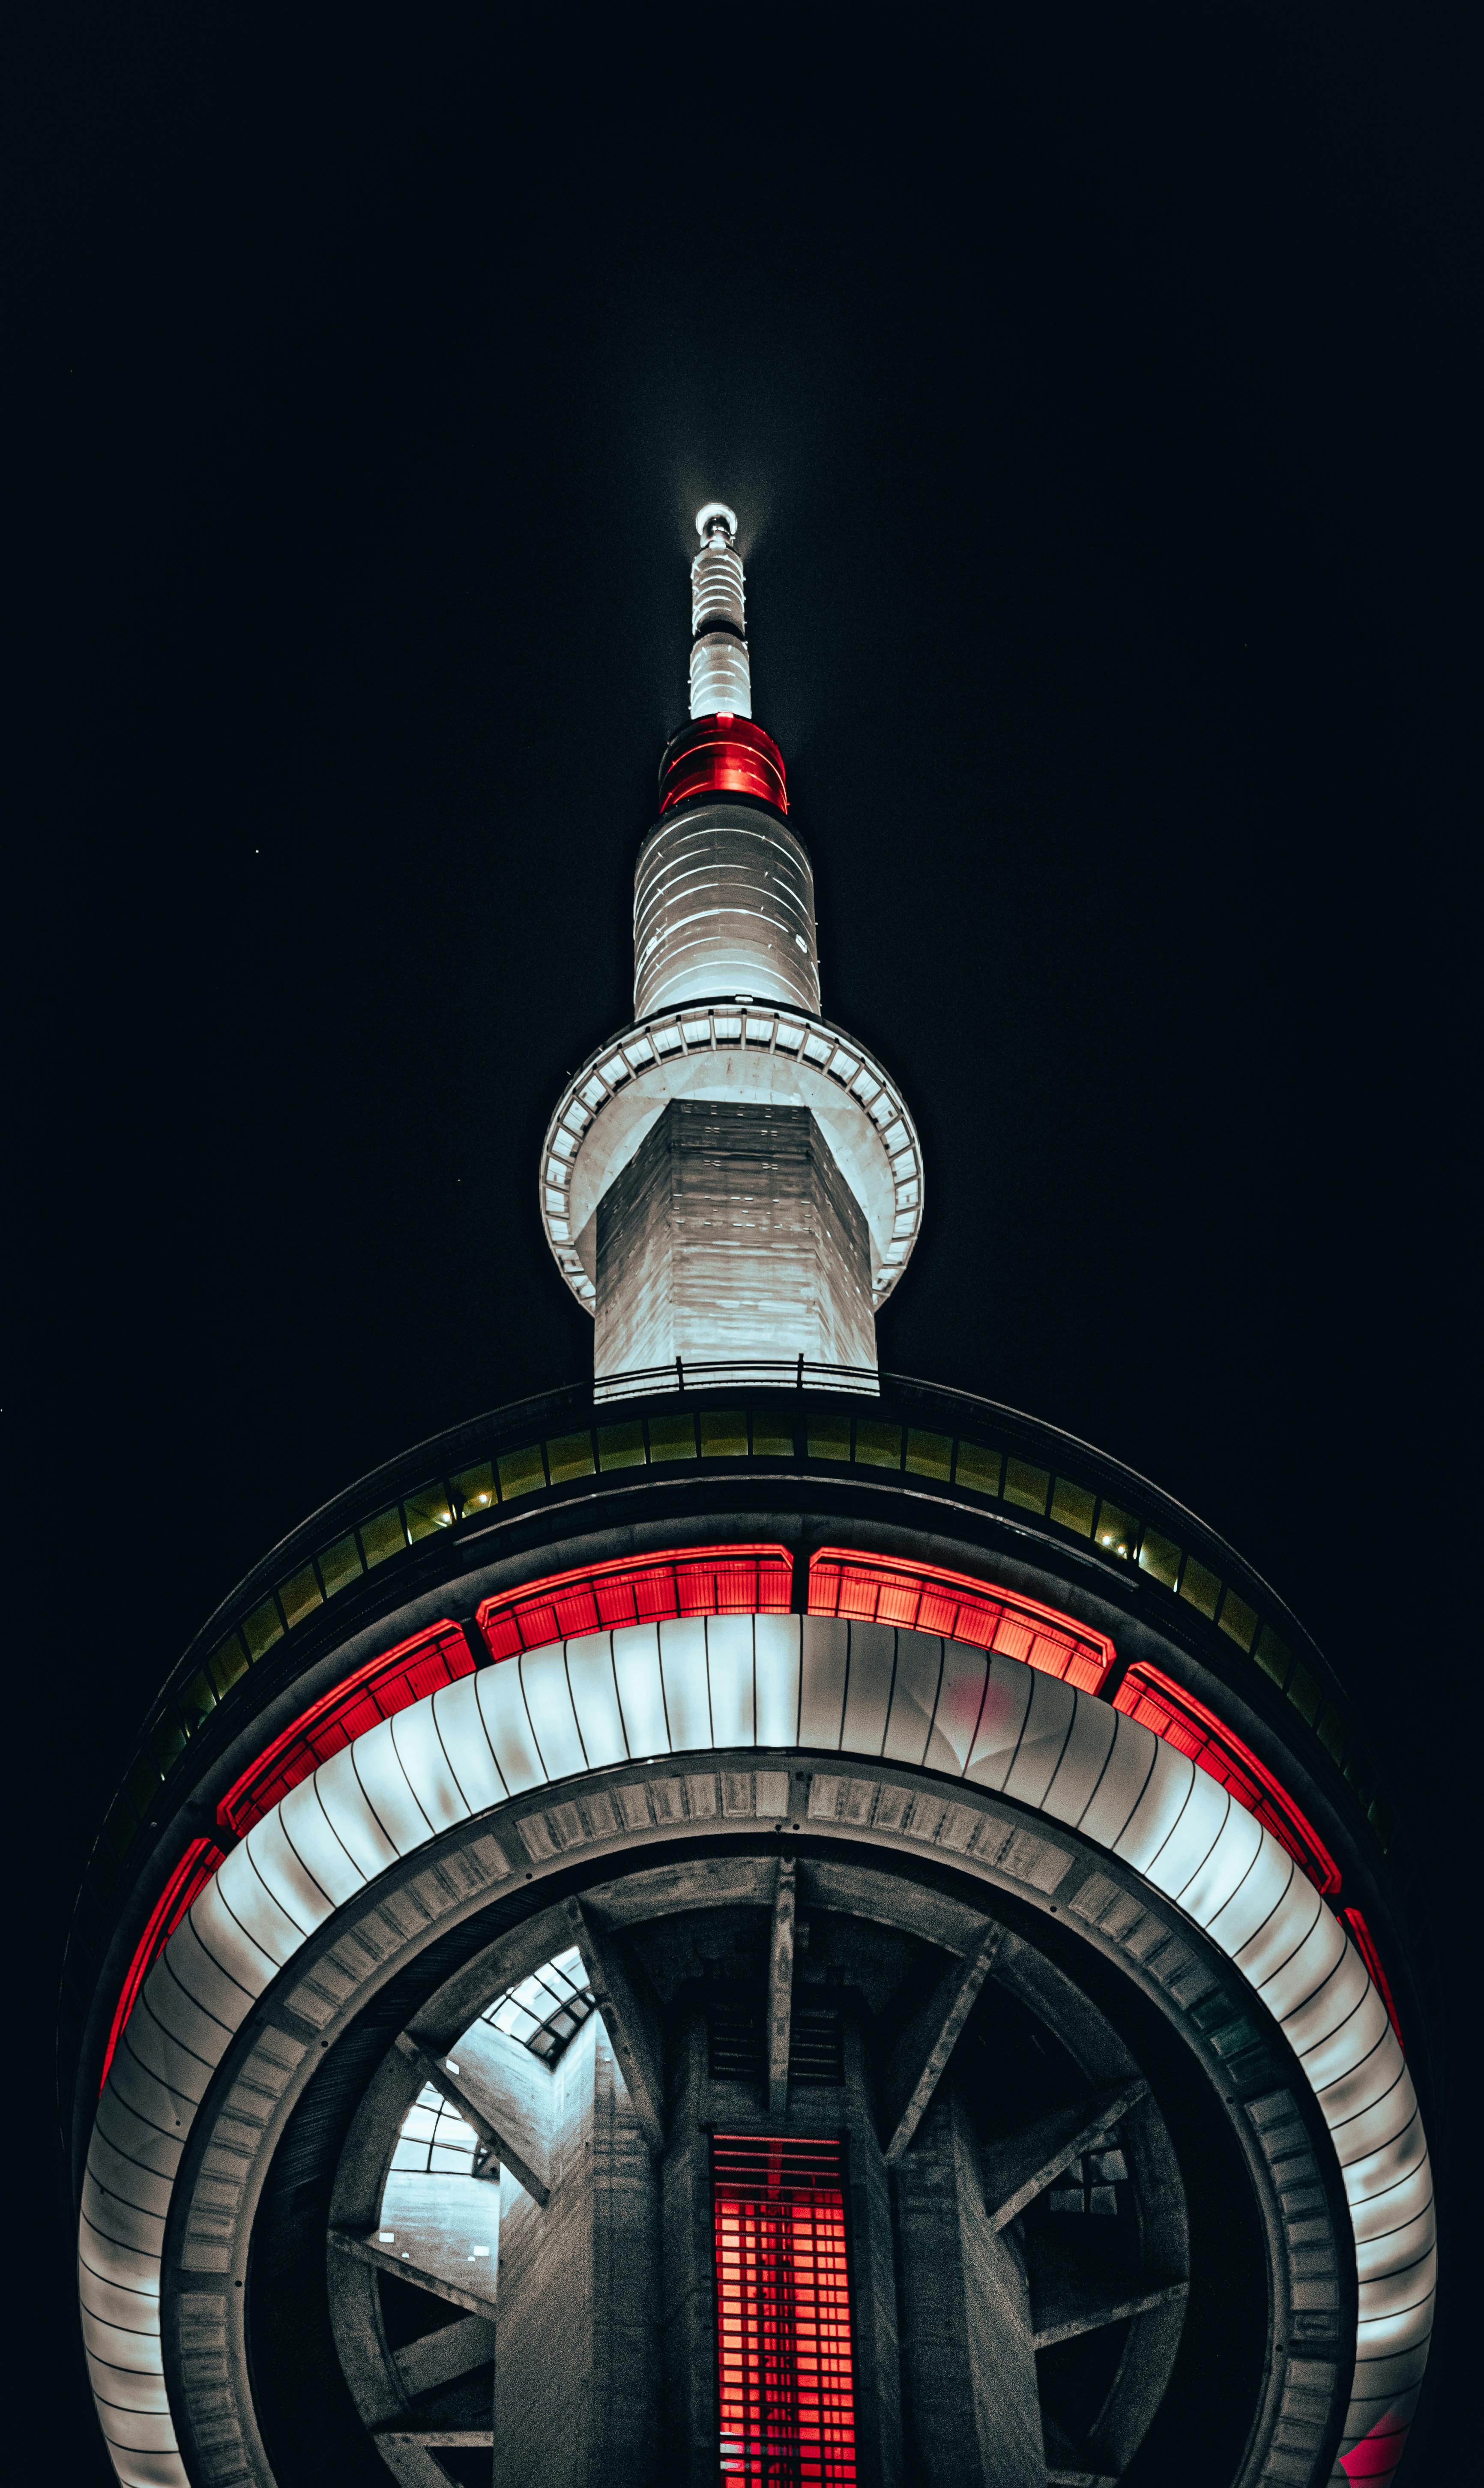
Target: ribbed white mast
(720, 674)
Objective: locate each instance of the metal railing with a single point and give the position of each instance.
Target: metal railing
(735, 1374)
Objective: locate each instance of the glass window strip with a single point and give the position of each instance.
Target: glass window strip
(434, 2140)
(546, 2009)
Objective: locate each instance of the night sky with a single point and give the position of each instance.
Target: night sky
(1096, 419)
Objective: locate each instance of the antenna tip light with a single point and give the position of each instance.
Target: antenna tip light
(712, 515)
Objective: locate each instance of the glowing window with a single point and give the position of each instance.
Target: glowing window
(979, 1467)
(475, 1489)
(783, 2313)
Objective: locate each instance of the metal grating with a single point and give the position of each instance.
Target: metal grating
(733, 2032)
(817, 2044)
(783, 2314)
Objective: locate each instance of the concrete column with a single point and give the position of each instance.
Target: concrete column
(731, 1233)
(969, 2362)
(577, 2396)
(689, 2296)
(874, 2323)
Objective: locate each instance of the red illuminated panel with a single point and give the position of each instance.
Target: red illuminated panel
(640, 1589)
(1365, 1946)
(881, 1589)
(1377, 2455)
(783, 2313)
(391, 1682)
(192, 1875)
(1186, 1724)
(723, 756)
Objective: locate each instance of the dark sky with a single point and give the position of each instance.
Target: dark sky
(1098, 420)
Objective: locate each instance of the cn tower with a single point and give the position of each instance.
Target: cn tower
(751, 1920)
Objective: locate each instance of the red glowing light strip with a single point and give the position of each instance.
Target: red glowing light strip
(1365, 1946)
(1376, 2457)
(192, 1875)
(783, 2314)
(640, 1589)
(723, 754)
(643, 1589)
(391, 1682)
(1185, 1723)
(887, 1589)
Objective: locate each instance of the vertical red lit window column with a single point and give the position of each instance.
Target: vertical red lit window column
(783, 2313)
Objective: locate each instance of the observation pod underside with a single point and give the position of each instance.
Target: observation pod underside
(1076, 2017)
(754, 1052)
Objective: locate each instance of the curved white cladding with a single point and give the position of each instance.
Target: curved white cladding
(781, 1683)
(720, 677)
(723, 904)
(759, 1056)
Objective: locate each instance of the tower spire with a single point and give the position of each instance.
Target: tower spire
(720, 667)
(731, 1181)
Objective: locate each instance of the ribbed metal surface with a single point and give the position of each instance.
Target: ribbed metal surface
(717, 591)
(723, 905)
(720, 677)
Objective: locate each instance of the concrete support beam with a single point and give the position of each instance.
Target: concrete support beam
(442, 2358)
(410, 2461)
(636, 2043)
(1073, 2309)
(430, 2436)
(780, 1987)
(471, 2098)
(969, 2358)
(920, 2056)
(576, 2370)
(388, 2259)
(873, 2312)
(1018, 2169)
(690, 2453)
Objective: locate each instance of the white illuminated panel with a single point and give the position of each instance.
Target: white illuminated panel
(720, 677)
(717, 587)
